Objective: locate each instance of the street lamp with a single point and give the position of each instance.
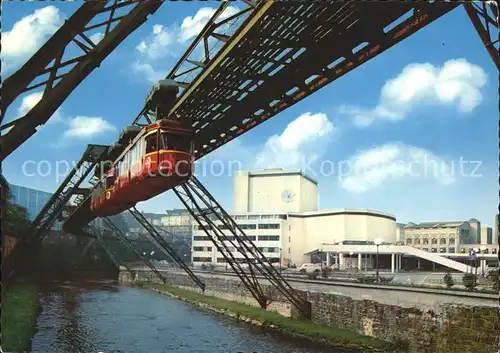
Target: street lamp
(377, 242)
(483, 248)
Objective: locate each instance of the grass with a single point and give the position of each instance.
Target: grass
(334, 337)
(20, 309)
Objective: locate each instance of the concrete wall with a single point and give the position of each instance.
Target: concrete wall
(450, 327)
(274, 190)
(338, 225)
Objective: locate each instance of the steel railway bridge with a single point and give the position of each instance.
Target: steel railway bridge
(272, 55)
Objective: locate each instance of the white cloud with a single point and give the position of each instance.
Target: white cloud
(29, 33)
(373, 168)
(86, 127)
(172, 40)
(302, 141)
(146, 70)
(96, 37)
(157, 44)
(192, 25)
(30, 100)
(457, 82)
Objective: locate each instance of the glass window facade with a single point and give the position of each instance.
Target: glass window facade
(32, 199)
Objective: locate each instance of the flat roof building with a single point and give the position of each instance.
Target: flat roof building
(278, 210)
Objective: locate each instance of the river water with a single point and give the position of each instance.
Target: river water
(102, 316)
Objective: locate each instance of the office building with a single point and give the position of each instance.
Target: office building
(441, 237)
(31, 199)
(278, 210)
(486, 235)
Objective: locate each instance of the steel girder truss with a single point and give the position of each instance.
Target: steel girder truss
(119, 234)
(58, 75)
(222, 26)
(114, 258)
(484, 17)
(206, 211)
(164, 246)
(50, 213)
(278, 58)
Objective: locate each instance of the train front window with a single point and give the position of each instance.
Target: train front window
(177, 142)
(151, 143)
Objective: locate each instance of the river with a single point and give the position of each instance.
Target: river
(103, 316)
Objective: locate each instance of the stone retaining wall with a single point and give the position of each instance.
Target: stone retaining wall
(454, 328)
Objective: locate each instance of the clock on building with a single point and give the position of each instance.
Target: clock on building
(288, 195)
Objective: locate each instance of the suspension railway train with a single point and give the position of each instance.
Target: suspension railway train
(144, 162)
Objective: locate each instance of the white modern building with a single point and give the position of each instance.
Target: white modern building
(278, 210)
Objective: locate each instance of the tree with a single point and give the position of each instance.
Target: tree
(17, 219)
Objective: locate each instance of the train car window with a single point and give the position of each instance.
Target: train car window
(151, 144)
(176, 142)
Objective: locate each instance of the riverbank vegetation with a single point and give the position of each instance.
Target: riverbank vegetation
(335, 337)
(20, 308)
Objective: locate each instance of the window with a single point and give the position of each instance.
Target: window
(269, 226)
(451, 250)
(417, 241)
(289, 239)
(426, 241)
(273, 250)
(442, 250)
(442, 241)
(199, 237)
(221, 259)
(289, 250)
(177, 142)
(289, 227)
(434, 241)
(251, 238)
(202, 248)
(202, 259)
(269, 237)
(247, 226)
(452, 241)
(408, 241)
(151, 143)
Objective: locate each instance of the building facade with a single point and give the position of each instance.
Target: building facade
(31, 199)
(441, 237)
(278, 210)
(486, 235)
(274, 191)
(176, 217)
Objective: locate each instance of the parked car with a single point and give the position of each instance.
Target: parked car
(310, 268)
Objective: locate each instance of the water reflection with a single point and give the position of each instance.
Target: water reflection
(105, 317)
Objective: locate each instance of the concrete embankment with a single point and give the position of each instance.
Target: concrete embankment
(341, 340)
(447, 326)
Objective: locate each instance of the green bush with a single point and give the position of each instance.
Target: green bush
(494, 277)
(325, 272)
(313, 275)
(470, 281)
(448, 280)
(367, 279)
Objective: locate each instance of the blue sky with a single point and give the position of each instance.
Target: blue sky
(431, 100)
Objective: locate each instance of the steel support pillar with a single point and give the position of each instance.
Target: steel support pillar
(206, 211)
(164, 246)
(484, 17)
(119, 234)
(110, 253)
(50, 213)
